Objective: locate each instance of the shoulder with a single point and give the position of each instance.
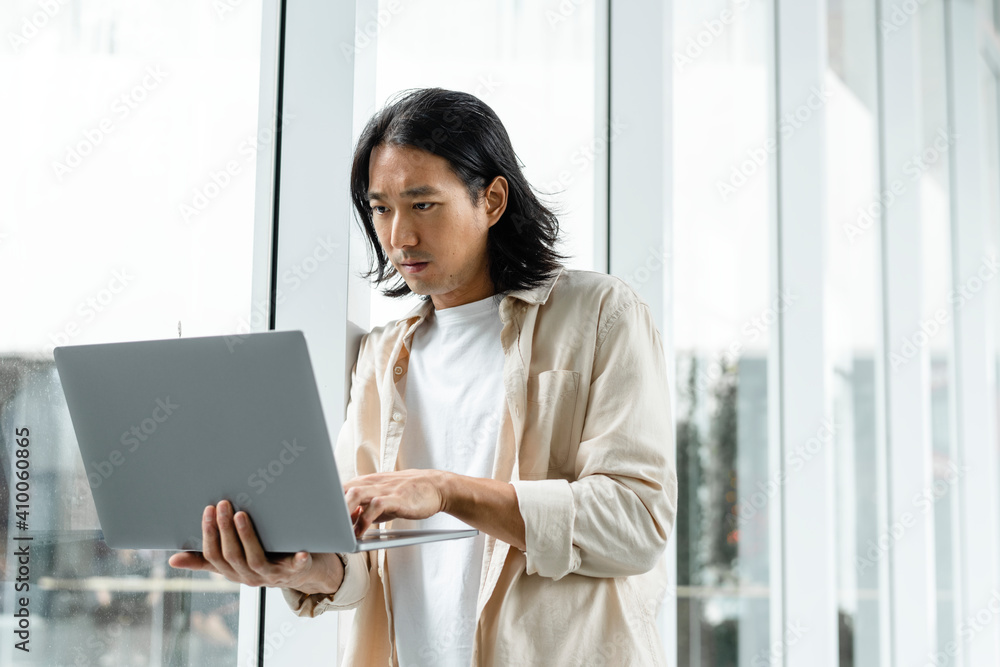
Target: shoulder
(607, 295)
(388, 333)
(374, 345)
(591, 301)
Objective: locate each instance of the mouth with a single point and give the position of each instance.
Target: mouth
(415, 267)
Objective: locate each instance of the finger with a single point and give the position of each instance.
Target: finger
(211, 547)
(232, 546)
(356, 520)
(256, 558)
(375, 510)
(355, 517)
(368, 481)
(359, 496)
(190, 560)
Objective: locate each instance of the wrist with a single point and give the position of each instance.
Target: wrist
(327, 574)
(450, 488)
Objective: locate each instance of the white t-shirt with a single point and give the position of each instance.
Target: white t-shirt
(454, 398)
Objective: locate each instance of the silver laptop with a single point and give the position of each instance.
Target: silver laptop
(166, 427)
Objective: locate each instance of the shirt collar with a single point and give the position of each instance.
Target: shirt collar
(533, 295)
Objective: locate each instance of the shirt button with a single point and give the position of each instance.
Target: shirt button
(399, 370)
(396, 416)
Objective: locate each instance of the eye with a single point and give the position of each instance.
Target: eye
(424, 203)
(375, 209)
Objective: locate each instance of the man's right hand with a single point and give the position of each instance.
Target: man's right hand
(230, 547)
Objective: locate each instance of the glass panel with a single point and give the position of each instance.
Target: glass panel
(932, 170)
(724, 146)
(128, 195)
(536, 70)
(985, 9)
(991, 171)
(852, 314)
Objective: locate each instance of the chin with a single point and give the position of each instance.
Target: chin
(416, 285)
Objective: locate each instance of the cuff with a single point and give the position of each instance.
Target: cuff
(549, 512)
(352, 590)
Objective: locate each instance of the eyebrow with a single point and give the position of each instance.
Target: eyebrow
(415, 191)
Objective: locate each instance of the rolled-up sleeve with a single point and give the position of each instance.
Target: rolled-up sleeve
(615, 518)
(357, 573)
(350, 594)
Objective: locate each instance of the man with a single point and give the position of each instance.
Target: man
(536, 410)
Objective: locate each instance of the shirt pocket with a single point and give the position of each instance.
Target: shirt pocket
(551, 407)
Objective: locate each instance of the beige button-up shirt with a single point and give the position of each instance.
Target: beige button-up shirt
(587, 442)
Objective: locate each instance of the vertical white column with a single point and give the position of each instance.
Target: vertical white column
(911, 560)
(639, 192)
(359, 292)
(602, 101)
(249, 631)
(809, 630)
(309, 211)
(974, 292)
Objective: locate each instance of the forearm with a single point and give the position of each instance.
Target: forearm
(488, 505)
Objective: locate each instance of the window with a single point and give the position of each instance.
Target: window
(853, 317)
(128, 190)
(724, 319)
(536, 68)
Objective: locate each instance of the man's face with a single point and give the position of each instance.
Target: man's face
(422, 213)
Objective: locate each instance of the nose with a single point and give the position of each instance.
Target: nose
(403, 233)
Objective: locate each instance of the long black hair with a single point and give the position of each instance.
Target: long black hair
(467, 133)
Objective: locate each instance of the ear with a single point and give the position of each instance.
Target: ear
(496, 200)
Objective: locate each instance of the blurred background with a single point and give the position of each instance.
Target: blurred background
(130, 143)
